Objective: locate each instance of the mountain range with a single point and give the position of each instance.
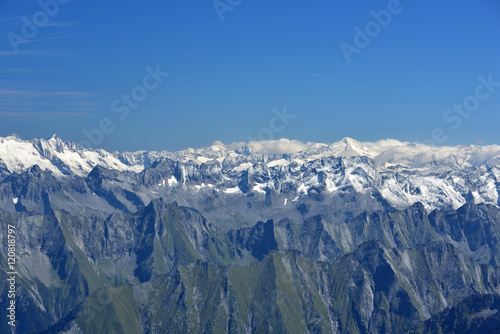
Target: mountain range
(264, 237)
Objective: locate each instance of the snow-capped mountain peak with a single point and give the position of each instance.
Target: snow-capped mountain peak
(55, 155)
(400, 172)
(66, 158)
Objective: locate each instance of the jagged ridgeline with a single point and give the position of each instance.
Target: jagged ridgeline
(236, 241)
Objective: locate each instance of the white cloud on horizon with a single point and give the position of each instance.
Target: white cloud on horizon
(276, 146)
(279, 146)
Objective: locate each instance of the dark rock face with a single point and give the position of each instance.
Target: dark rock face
(475, 314)
(258, 240)
(31, 191)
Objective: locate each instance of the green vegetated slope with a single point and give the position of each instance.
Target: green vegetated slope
(166, 269)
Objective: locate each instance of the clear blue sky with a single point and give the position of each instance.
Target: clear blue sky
(226, 77)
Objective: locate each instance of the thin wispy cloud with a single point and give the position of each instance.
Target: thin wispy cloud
(10, 18)
(66, 105)
(33, 52)
(68, 93)
(47, 38)
(29, 94)
(61, 24)
(14, 114)
(319, 76)
(16, 108)
(19, 19)
(13, 103)
(21, 70)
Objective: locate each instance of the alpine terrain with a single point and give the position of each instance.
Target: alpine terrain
(263, 237)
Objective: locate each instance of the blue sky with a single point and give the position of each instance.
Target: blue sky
(227, 76)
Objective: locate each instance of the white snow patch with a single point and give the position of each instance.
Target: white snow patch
(330, 186)
(280, 162)
(202, 160)
(243, 166)
(302, 188)
(234, 190)
(171, 182)
(260, 188)
(203, 185)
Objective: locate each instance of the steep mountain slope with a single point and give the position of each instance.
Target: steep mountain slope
(475, 315)
(164, 268)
